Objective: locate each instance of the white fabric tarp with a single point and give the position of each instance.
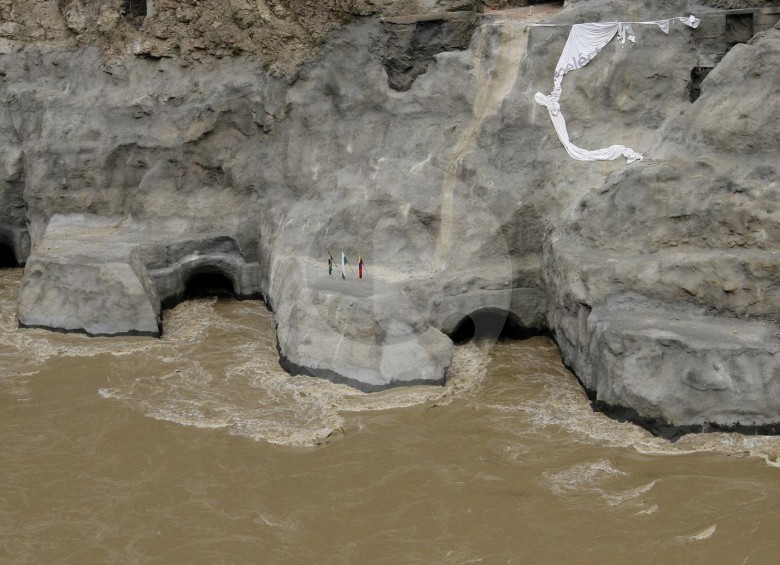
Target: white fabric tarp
(585, 42)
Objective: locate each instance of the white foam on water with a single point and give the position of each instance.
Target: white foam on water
(700, 536)
(288, 524)
(629, 497)
(564, 404)
(647, 511)
(595, 479)
(247, 393)
(113, 393)
(583, 477)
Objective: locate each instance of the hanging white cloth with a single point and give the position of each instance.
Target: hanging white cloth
(608, 154)
(665, 25)
(585, 42)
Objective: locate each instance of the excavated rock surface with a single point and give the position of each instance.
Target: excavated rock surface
(657, 279)
(281, 34)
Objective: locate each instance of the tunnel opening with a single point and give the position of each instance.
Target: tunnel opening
(135, 8)
(491, 324)
(7, 257)
(698, 74)
(739, 29)
(208, 284)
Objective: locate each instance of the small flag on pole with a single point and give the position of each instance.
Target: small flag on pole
(330, 263)
(360, 266)
(343, 265)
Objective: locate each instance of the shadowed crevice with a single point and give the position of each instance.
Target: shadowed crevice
(7, 257)
(492, 323)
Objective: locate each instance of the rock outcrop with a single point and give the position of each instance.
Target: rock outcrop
(412, 139)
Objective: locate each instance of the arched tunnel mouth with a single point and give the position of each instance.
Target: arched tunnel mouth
(209, 284)
(492, 324)
(7, 257)
(205, 282)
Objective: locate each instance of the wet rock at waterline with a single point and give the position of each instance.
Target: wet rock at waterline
(139, 170)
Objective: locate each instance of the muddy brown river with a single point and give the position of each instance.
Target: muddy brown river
(198, 448)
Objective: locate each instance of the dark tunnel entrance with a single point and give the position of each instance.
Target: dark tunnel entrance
(491, 324)
(135, 8)
(7, 257)
(209, 283)
(202, 284)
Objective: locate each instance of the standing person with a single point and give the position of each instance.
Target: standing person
(343, 266)
(360, 266)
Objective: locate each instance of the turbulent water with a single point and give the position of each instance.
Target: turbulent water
(198, 448)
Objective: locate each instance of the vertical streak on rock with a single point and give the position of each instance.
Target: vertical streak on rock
(495, 81)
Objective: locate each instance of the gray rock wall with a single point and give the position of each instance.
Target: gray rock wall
(656, 278)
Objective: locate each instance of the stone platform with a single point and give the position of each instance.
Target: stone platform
(103, 276)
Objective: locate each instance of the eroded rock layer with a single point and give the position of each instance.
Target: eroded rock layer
(411, 138)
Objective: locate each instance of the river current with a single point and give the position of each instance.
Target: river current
(198, 448)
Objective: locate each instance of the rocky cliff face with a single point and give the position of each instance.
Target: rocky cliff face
(413, 141)
(281, 34)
